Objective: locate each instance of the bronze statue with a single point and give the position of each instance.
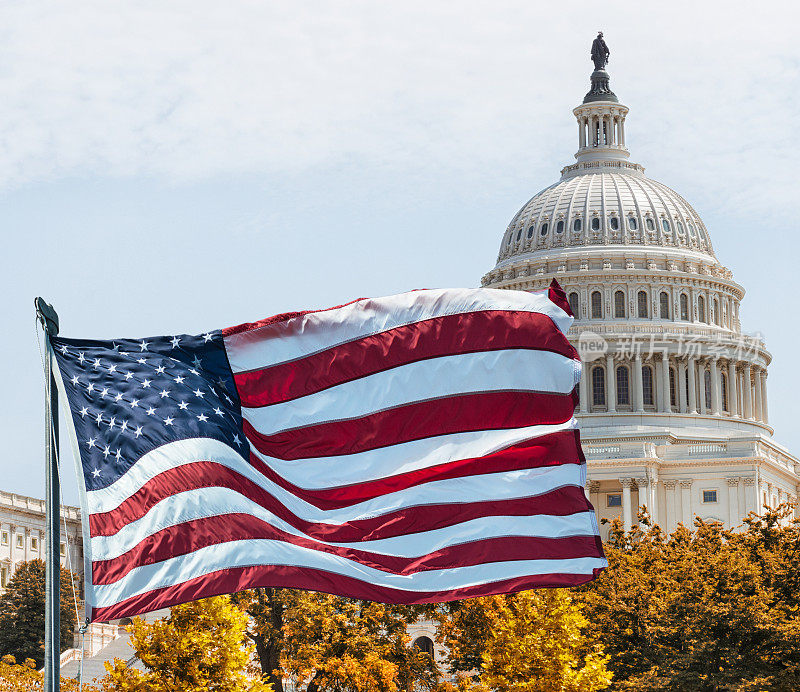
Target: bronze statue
(600, 52)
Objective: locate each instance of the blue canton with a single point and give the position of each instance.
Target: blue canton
(130, 396)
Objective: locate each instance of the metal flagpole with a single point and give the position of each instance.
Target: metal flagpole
(52, 604)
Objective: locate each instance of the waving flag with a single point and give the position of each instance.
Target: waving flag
(409, 449)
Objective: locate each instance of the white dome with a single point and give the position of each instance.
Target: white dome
(607, 207)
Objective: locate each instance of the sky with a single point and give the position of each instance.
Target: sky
(179, 167)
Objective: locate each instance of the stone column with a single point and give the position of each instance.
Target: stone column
(627, 520)
(747, 389)
(734, 517)
(691, 371)
(581, 132)
(750, 495)
(672, 505)
(683, 404)
(758, 413)
(584, 388)
(686, 503)
(593, 488)
(638, 391)
(733, 396)
(701, 385)
(644, 494)
(715, 388)
(763, 384)
(611, 384)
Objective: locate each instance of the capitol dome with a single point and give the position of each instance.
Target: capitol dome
(673, 398)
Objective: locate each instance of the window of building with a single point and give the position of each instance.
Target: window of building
(510, 238)
(647, 385)
(619, 304)
(597, 305)
(599, 385)
(34, 543)
(574, 303)
(663, 300)
(651, 226)
(595, 224)
(632, 223)
(614, 223)
(707, 383)
(20, 541)
(63, 549)
(3, 577)
(686, 385)
(725, 392)
(543, 229)
(614, 500)
(641, 303)
(424, 644)
(716, 312)
(665, 225)
(530, 231)
(519, 235)
(576, 225)
(673, 388)
(709, 496)
(684, 307)
(4, 538)
(701, 308)
(680, 228)
(560, 227)
(623, 390)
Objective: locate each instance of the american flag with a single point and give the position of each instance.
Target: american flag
(415, 448)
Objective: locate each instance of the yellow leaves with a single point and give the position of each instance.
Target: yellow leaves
(23, 677)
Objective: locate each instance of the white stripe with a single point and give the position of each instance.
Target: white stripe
(494, 486)
(491, 371)
(319, 473)
(202, 504)
(317, 331)
(267, 552)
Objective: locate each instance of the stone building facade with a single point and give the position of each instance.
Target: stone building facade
(673, 399)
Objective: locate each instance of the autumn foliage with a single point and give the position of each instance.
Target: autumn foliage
(23, 677)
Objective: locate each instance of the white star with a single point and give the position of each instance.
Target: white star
(138, 430)
(134, 403)
(218, 411)
(118, 397)
(84, 411)
(118, 455)
(99, 418)
(112, 368)
(237, 440)
(128, 375)
(168, 420)
(106, 452)
(123, 426)
(183, 406)
(179, 379)
(91, 442)
(196, 362)
(193, 371)
(112, 422)
(150, 411)
(90, 387)
(103, 393)
(144, 345)
(164, 393)
(74, 380)
(116, 347)
(160, 369)
(96, 473)
(228, 399)
(175, 340)
(146, 384)
(207, 337)
(96, 364)
(202, 417)
(63, 348)
(198, 393)
(141, 360)
(81, 358)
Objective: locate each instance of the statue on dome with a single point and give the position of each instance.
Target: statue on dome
(600, 52)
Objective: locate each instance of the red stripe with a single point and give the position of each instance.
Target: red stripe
(185, 538)
(547, 450)
(238, 579)
(206, 474)
(473, 332)
(558, 297)
(422, 419)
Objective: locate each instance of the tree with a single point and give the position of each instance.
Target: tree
(23, 677)
(22, 613)
(200, 646)
(532, 641)
(327, 643)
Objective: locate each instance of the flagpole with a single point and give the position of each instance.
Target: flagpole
(52, 605)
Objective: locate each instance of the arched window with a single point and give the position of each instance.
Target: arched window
(560, 227)
(519, 234)
(707, 383)
(663, 300)
(725, 392)
(576, 225)
(641, 304)
(684, 307)
(647, 385)
(673, 387)
(574, 303)
(619, 304)
(701, 308)
(424, 644)
(595, 224)
(599, 385)
(510, 239)
(665, 225)
(530, 231)
(597, 305)
(623, 390)
(613, 221)
(651, 226)
(632, 223)
(717, 319)
(543, 230)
